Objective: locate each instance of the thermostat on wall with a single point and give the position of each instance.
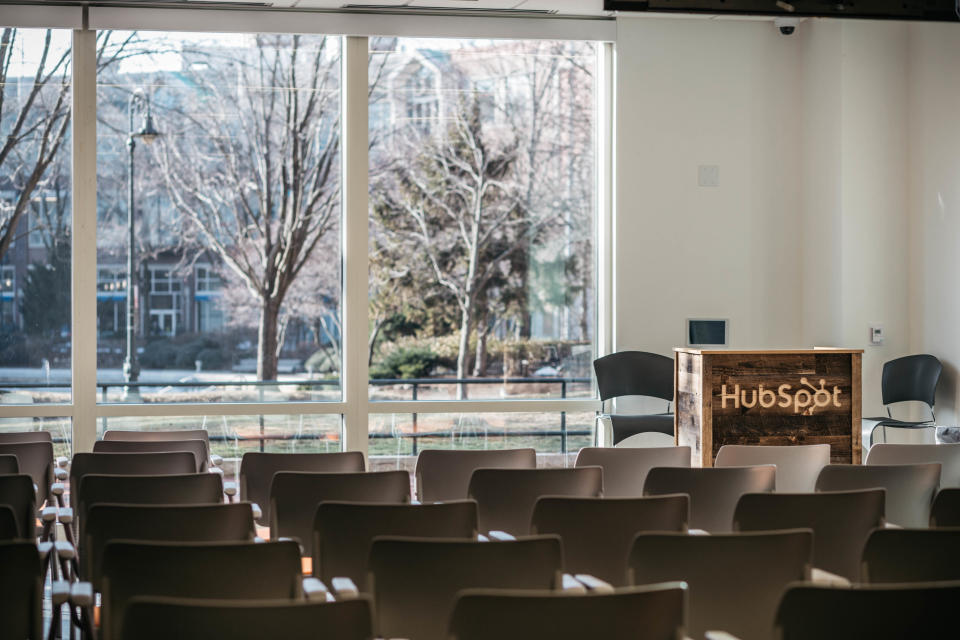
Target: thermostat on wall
(703, 332)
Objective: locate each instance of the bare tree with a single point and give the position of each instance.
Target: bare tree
(455, 202)
(35, 117)
(253, 166)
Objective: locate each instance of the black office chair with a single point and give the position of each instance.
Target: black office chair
(910, 378)
(635, 373)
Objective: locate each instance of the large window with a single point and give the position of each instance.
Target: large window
(35, 217)
(482, 218)
(232, 142)
(305, 242)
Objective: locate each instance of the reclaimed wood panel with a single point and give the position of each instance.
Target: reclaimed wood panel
(768, 398)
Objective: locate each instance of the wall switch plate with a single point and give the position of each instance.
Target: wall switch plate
(876, 333)
(708, 175)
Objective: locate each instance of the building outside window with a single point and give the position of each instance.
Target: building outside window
(208, 291)
(166, 301)
(8, 297)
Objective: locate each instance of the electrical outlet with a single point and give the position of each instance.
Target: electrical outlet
(876, 333)
(708, 175)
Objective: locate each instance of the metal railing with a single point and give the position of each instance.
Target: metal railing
(415, 385)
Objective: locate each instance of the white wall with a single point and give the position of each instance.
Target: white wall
(692, 92)
(934, 201)
(807, 239)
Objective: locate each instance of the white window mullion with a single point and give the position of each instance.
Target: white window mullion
(354, 137)
(606, 116)
(84, 255)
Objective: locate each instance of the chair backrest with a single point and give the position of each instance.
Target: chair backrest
(877, 612)
(735, 580)
(25, 436)
(16, 491)
(9, 525)
(598, 533)
(634, 373)
(797, 466)
(197, 447)
(625, 469)
(157, 436)
(36, 460)
(654, 612)
(444, 474)
(344, 531)
(841, 522)
(910, 487)
(134, 464)
(912, 555)
(223, 571)
(159, 523)
(188, 488)
(911, 378)
(257, 471)
(9, 464)
(21, 590)
(416, 581)
(948, 455)
(714, 492)
(155, 618)
(946, 509)
(506, 497)
(294, 498)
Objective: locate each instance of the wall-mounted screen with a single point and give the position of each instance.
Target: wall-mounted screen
(706, 333)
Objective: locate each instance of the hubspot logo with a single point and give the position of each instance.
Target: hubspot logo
(804, 401)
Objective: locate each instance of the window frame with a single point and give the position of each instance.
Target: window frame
(355, 406)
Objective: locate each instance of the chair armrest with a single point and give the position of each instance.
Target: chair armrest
(230, 488)
(58, 488)
(482, 538)
(501, 536)
(216, 470)
(62, 462)
(81, 594)
(65, 550)
(65, 516)
(216, 460)
(570, 584)
(698, 532)
(344, 588)
(44, 548)
(60, 592)
(891, 525)
(594, 584)
(314, 589)
(60, 474)
(48, 514)
(257, 512)
(719, 635)
(819, 576)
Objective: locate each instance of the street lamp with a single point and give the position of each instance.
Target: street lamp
(139, 102)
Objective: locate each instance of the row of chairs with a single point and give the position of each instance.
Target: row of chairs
(541, 477)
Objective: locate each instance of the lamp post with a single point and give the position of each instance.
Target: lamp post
(148, 133)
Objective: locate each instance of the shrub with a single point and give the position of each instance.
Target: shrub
(413, 362)
(212, 358)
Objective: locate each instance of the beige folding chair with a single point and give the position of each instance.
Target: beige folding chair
(416, 581)
(257, 471)
(444, 474)
(344, 531)
(294, 498)
(714, 492)
(797, 466)
(598, 533)
(156, 618)
(735, 580)
(506, 497)
(841, 521)
(625, 469)
(654, 612)
(948, 455)
(910, 487)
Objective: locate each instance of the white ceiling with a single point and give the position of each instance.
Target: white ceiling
(560, 7)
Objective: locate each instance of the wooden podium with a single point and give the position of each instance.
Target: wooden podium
(809, 396)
